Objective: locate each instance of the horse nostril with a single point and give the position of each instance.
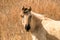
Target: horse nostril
(27, 27)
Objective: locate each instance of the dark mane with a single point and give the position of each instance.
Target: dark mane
(26, 10)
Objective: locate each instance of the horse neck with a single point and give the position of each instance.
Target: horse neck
(36, 22)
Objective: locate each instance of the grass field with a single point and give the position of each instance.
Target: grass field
(10, 20)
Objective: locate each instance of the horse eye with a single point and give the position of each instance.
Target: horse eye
(22, 15)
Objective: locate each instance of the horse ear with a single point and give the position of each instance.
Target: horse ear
(30, 9)
(23, 8)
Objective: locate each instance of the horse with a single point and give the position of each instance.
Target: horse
(41, 27)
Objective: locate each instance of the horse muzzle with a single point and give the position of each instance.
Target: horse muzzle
(27, 27)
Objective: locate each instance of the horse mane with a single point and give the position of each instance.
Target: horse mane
(40, 16)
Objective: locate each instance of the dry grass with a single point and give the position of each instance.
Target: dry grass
(10, 24)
